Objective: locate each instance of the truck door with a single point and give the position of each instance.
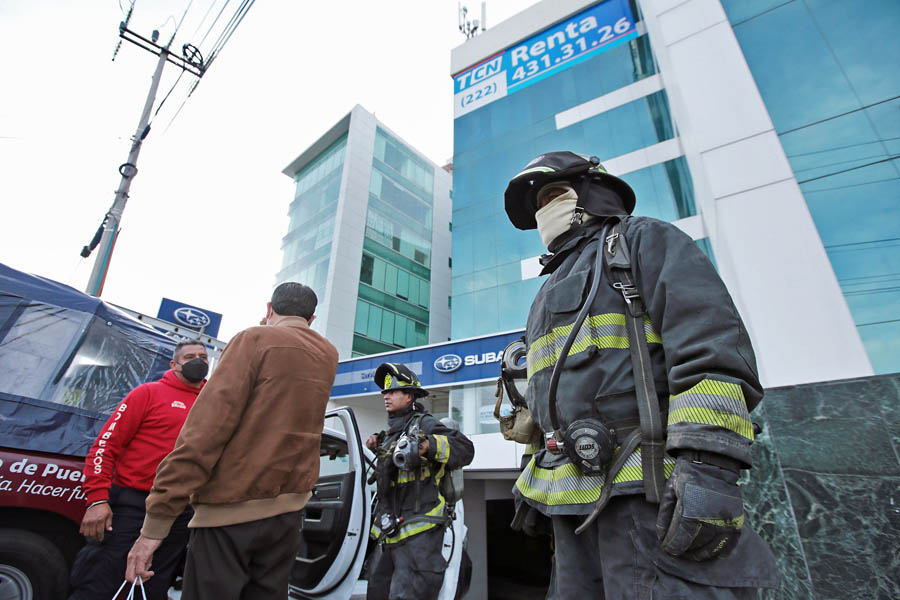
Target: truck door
(336, 524)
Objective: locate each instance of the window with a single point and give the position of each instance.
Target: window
(368, 265)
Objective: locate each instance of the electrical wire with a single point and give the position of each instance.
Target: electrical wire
(203, 20)
(229, 30)
(213, 24)
(178, 26)
(172, 89)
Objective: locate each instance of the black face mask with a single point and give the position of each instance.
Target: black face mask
(195, 370)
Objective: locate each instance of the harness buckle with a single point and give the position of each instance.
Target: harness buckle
(629, 290)
(611, 243)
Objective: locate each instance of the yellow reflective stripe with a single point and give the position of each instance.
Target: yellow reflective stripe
(603, 331)
(712, 402)
(442, 452)
(709, 416)
(531, 448)
(567, 484)
(418, 527)
(408, 476)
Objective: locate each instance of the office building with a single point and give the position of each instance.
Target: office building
(370, 233)
(765, 130)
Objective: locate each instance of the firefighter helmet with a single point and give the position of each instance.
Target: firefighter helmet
(520, 196)
(396, 376)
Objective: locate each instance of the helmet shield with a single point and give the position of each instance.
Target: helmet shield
(396, 376)
(520, 197)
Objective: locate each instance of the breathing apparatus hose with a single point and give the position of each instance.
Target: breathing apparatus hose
(633, 439)
(576, 326)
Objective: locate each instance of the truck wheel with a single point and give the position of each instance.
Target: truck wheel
(31, 567)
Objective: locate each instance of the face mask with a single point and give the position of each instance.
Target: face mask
(556, 217)
(195, 370)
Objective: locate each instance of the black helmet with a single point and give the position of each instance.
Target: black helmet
(520, 197)
(396, 376)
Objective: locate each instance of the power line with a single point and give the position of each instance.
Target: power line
(203, 20)
(213, 24)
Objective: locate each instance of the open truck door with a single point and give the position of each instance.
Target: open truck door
(335, 533)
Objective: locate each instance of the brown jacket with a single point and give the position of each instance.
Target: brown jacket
(250, 446)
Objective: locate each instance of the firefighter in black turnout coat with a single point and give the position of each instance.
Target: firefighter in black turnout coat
(413, 456)
(641, 377)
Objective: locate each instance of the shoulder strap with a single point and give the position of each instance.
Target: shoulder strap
(652, 447)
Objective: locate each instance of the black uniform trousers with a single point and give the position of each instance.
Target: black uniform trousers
(246, 561)
(411, 570)
(99, 568)
(618, 557)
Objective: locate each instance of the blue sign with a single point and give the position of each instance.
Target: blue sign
(192, 317)
(580, 37)
(450, 363)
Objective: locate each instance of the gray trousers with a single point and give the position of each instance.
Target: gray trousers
(247, 561)
(411, 570)
(618, 557)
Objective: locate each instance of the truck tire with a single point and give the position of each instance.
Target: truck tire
(31, 567)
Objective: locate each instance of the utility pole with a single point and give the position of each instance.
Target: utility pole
(190, 61)
(127, 170)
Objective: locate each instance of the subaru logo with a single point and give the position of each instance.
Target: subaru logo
(447, 363)
(192, 317)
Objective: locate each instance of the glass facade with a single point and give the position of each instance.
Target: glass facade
(307, 246)
(825, 72)
(494, 142)
(392, 310)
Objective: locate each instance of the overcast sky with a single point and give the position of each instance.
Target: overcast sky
(207, 210)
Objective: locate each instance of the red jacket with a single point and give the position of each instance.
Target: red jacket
(138, 435)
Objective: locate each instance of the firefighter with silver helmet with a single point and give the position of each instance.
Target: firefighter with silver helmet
(413, 456)
(640, 378)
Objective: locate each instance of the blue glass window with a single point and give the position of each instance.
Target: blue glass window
(824, 72)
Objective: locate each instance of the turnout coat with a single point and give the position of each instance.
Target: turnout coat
(411, 493)
(702, 361)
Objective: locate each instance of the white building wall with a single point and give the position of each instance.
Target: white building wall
(439, 311)
(342, 284)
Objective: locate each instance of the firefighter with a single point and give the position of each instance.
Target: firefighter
(641, 378)
(414, 455)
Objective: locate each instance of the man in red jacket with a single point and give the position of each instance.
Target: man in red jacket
(119, 471)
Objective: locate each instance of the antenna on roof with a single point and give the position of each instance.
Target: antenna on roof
(466, 27)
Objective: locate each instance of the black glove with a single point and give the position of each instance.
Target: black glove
(701, 512)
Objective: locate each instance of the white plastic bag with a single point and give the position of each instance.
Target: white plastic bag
(135, 584)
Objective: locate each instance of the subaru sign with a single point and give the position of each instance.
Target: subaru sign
(448, 363)
(192, 317)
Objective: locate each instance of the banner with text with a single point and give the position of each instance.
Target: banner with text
(576, 39)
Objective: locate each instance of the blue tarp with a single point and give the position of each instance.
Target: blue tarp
(66, 361)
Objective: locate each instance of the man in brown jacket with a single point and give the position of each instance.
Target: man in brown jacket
(247, 458)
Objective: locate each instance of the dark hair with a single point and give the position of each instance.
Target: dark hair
(184, 343)
(292, 299)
